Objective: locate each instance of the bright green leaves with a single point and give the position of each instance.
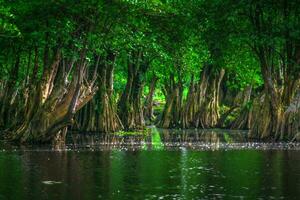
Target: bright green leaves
(7, 26)
(242, 69)
(176, 37)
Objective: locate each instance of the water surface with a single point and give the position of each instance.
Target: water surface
(162, 165)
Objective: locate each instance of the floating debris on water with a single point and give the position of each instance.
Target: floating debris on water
(51, 182)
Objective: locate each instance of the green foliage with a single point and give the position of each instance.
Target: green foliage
(7, 26)
(176, 37)
(242, 69)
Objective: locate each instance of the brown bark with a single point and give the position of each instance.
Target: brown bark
(108, 119)
(130, 108)
(8, 96)
(280, 80)
(201, 108)
(148, 108)
(100, 114)
(290, 126)
(261, 124)
(54, 103)
(207, 114)
(171, 116)
(243, 106)
(189, 109)
(277, 98)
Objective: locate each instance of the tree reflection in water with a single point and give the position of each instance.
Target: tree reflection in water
(160, 139)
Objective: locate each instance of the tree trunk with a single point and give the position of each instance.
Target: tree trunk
(108, 119)
(54, 103)
(100, 114)
(148, 108)
(244, 116)
(10, 91)
(201, 108)
(290, 125)
(130, 106)
(280, 73)
(208, 93)
(171, 116)
(272, 103)
(189, 109)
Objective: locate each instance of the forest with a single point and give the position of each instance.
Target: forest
(105, 66)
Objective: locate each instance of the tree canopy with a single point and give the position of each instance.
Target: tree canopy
(99, 60)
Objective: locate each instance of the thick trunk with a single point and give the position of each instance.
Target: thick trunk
(137, 105)
(208, 93)
(270, 108)
(108, 119)
(267, 110)
(290, 126)
(243, 106)
(171, 116)
(201, 108)
(125, 104)
(130, 106)
(243, 121)
(261, 123)
(10, 92)
(167, 119)
(280, 74)
(100, 114)
(189, 109)
(148, 108)
(53, 106)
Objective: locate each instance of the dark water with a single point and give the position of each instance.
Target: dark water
(162, 165)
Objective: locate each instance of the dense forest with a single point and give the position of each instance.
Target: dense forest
(110, 65)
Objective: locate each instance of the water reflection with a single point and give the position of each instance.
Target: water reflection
(159, 139)
(183, 174)
(108, 166)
